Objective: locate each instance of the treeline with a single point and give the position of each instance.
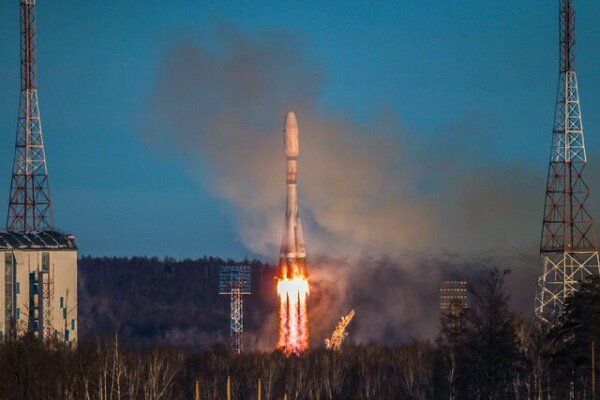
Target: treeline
(483, 352)
(152, 301)
(32, 370)
(488, 352)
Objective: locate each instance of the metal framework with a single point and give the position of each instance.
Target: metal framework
(41, 295)
(30, 205)
(47, 296)
(340, 332)
(47, 299)
(235, 281)
(568, 243)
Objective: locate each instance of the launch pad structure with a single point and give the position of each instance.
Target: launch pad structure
(38, 263)
(568, 243)
(235, 281)
(340, 332)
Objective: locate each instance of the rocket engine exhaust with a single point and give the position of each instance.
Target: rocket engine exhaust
(292, 285)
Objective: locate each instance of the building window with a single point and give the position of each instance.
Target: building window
(17, 288)
(62, 302)
(45, 261)
(72, 324)
(18, 313)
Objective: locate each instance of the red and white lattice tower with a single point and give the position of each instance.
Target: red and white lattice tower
(568, 245)
(30, 206)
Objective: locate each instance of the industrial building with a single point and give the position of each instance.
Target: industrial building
(40, 285)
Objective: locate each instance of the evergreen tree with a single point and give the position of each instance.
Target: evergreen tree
(478, 355)
(450, 361)
(575, 338)
(497, 361)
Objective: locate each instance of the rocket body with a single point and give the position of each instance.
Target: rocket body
(292, 243)
(292, 285)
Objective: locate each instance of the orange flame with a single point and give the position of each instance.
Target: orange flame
(293, 316)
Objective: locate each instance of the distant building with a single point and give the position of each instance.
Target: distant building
(453, 296)
(38, 285)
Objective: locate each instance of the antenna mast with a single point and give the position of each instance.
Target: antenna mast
(30, 206)
(568, 244)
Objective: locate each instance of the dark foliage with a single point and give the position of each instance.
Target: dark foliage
(573, 340)
(168, 316)
(151, 302)
(105, 371)
(478, 349)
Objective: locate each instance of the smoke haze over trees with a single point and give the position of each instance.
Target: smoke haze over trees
(169, 302)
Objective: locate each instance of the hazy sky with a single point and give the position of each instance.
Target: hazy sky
(437, 64)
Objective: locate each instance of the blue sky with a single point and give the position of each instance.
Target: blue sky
(435, 63)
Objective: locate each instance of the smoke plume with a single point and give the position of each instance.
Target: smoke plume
(405, 211)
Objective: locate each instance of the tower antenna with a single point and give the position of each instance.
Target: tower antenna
(568, 244)
(30, 205)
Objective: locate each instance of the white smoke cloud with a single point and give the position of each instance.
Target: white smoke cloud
(365, 189)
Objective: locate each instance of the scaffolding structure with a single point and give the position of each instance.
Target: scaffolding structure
(47, 301)
(41, 296)
(340, 332)
(235, 281)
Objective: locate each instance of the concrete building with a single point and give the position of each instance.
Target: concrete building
(38, 285)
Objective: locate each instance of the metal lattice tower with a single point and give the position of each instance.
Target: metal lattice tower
(568, 245)
(237, 319)
(30, 206)
(235, 281)
(47, 301)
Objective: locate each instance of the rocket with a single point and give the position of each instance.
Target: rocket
(292, 286)
(292, 257)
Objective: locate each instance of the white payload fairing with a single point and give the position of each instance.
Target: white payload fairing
(292, 253)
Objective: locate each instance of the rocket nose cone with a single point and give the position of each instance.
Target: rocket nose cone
(290, 121)
(290, 135)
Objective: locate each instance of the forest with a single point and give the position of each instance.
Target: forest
(485, 351)
(152, 301)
